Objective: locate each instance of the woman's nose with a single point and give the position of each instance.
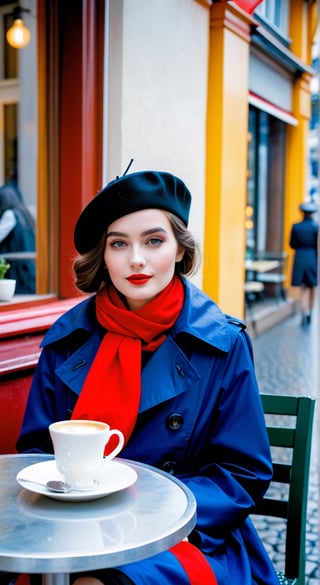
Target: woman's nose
(137, 258)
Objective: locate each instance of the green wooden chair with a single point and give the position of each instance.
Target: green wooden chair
(294, 438)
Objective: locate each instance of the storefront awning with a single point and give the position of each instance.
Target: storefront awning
(270, 108)
(248, 5)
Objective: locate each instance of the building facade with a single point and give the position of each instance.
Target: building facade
(215, 92)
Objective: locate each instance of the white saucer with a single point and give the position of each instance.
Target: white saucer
(113, 477)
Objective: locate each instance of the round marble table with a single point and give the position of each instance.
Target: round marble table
(44, 535)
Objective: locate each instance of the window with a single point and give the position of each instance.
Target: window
(275, 13)
(18, 143)
(265, 183)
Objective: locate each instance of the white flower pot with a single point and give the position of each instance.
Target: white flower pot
(7, 289)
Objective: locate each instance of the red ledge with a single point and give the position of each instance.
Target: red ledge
(33, 319)
(19, 354)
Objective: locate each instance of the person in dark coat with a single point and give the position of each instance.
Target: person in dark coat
(153, 355)
(304, 240)
(17, 234)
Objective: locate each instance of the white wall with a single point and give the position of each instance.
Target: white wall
(156, 92)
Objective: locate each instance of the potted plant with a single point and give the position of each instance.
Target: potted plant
(7, 285)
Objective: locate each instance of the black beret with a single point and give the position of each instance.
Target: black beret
(308, 207)
(129, 193)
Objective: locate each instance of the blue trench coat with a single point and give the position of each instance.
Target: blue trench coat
(203, 372)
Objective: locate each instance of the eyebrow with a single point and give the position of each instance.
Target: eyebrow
(145, 233)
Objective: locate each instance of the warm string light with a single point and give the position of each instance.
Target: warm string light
(18, 35)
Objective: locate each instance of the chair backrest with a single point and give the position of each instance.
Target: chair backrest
(293, 439)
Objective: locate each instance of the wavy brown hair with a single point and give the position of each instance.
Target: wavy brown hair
(91, 273)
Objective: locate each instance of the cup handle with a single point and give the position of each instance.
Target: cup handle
(118, 448)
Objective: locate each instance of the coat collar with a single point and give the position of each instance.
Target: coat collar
(200, 317)
(80, 317)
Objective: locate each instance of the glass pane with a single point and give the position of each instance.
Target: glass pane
(18, 153)
(10, 140)
(262, 186)
(251, 186)
(17, 233)
(9, 53)
(276, 12)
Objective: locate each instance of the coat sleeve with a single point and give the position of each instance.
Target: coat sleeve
(49, 400)
(238, 465)
(71, 341)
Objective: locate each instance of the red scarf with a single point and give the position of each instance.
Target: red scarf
(111, 391)
(194, 563)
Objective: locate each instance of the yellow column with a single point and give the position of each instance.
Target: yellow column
(227, 127)
(296, 160)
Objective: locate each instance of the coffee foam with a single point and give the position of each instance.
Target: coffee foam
(80, 427)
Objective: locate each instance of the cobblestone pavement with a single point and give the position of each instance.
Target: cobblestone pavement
(286, 359)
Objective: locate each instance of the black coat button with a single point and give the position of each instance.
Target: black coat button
(174, 421)
(169, 467)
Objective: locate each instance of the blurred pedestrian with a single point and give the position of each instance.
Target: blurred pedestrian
(304, 240)
(17, 234)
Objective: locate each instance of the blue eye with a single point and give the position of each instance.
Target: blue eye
(155, 241)
(117, 244)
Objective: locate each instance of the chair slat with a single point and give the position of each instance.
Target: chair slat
(279, 404)
(281, 437)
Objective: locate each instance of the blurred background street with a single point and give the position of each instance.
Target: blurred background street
(224, 95)
(287, 358)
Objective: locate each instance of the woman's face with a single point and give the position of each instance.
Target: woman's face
(140, 255)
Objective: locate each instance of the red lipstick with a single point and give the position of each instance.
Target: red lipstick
(138, 279)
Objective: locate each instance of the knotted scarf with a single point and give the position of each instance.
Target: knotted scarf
(112, 388)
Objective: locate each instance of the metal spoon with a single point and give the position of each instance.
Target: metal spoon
(53, 485)
(59, 486)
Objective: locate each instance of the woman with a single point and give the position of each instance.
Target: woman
(304, 240)
(152, 355)
(17, 234)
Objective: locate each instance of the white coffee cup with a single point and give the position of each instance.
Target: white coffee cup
(79, 449)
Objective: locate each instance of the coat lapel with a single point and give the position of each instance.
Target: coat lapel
(73, 371)
(159, 383)
(167, 374)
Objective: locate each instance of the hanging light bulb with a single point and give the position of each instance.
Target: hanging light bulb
(18, 35)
